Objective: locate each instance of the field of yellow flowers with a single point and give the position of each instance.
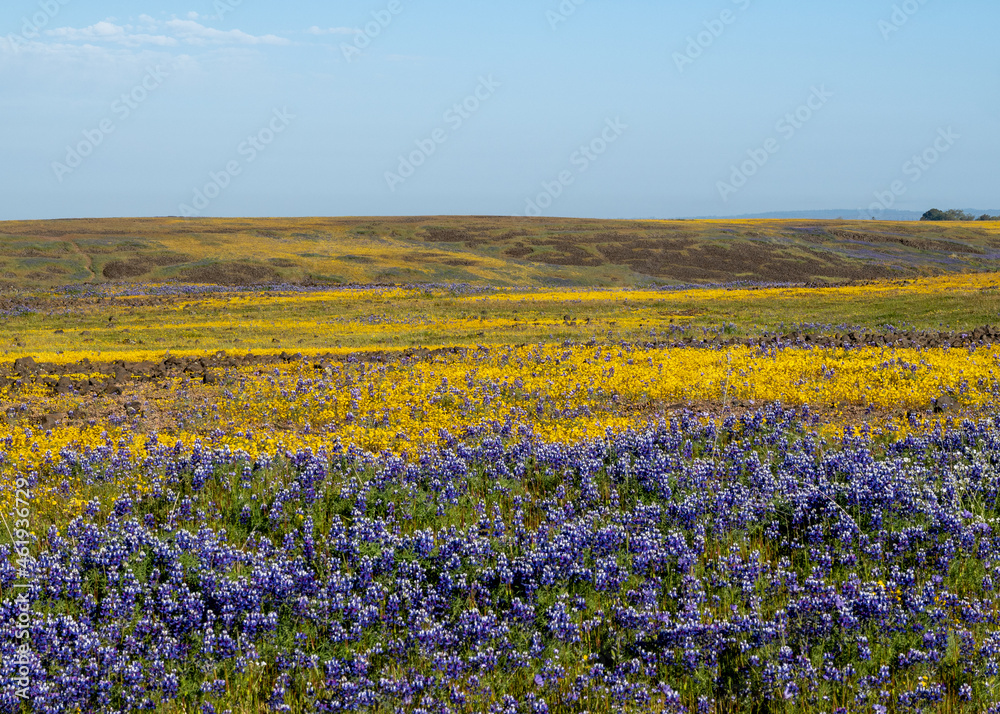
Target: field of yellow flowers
(562, 365)
(146, 322)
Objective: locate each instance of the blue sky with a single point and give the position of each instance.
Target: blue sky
(631, 109)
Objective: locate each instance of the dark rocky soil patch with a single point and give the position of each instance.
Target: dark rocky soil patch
(519, 251)
(726, 261)
(231, 274)
(283, 263)
(124, 269)
(907, 241)
(141, 265)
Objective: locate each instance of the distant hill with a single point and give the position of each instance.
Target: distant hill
(501, 251)
(849, 214)
(839, 214)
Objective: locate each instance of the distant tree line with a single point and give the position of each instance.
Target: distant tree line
(955, 215)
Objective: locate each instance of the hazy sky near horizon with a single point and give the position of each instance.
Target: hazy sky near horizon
(626, 109)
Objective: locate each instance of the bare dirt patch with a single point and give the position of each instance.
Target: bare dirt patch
(283, 263)
(907, 241)
(141, 265)
(519, 251)
(124, 269)
(231, 274)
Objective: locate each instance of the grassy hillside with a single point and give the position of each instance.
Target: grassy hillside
(496, 250)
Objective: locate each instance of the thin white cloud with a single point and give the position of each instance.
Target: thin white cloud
(195, 33)
(109, 32)
(314, 30)
(167, 33)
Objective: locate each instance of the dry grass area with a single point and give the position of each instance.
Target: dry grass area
(501, 251)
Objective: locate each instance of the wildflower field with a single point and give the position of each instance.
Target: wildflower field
(460, 498)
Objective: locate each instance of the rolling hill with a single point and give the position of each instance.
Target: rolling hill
(501, 251)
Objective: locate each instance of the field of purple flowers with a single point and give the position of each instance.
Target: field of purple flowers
(689, 567)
